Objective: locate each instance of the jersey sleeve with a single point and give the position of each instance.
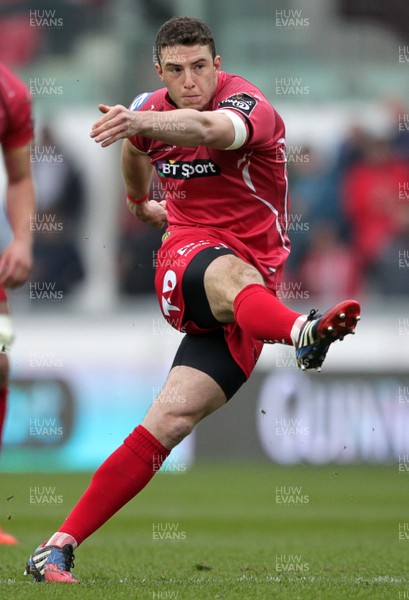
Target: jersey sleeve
(138, 142)
(257, 113)
(20, 130)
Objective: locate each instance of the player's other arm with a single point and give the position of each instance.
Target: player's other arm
(182, 127)
(16, 260)
(137, 172)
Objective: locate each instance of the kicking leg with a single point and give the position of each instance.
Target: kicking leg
(235, 292)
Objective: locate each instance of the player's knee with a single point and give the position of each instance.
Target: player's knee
(178, 427)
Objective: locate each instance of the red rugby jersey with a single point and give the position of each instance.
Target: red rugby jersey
(242, 195)
(16, 126)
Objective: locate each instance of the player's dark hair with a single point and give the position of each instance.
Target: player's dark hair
(184, 31)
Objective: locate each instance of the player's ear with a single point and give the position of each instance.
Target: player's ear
(217, 62)
(159, 70)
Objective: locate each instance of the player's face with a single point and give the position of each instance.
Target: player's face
(190, 74)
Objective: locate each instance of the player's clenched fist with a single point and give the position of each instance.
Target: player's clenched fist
(150, 212)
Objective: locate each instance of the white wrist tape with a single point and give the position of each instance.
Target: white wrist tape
(6, 332)
(240, 129)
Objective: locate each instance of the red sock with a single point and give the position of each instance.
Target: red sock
(123, 475)
(262, 315)
(3, 406)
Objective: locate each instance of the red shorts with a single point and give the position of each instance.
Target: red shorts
(178, 249)
(3, 295)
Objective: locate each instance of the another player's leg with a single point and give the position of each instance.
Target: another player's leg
(236, 292)
(186, 398)
(6, 337)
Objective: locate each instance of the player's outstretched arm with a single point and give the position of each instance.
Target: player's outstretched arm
(181, 127)
(137, 173)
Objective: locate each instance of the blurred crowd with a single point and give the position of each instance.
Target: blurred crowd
(355, 212)
(31, 30)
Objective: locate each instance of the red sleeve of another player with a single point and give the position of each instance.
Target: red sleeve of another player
(20, 123)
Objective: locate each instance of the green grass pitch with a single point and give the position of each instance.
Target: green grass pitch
(223, 532)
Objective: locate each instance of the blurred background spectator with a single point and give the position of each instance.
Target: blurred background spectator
(370, 199)
(388, 274)
(330, 269)
(58, 220)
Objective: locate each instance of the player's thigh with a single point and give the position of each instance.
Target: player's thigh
(187, 397)
(211, 282)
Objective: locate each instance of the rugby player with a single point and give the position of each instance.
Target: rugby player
(16, 135)
(219, 148)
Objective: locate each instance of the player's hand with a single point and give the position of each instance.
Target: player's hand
(117, 123)
(152, 213)
(15, 264)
